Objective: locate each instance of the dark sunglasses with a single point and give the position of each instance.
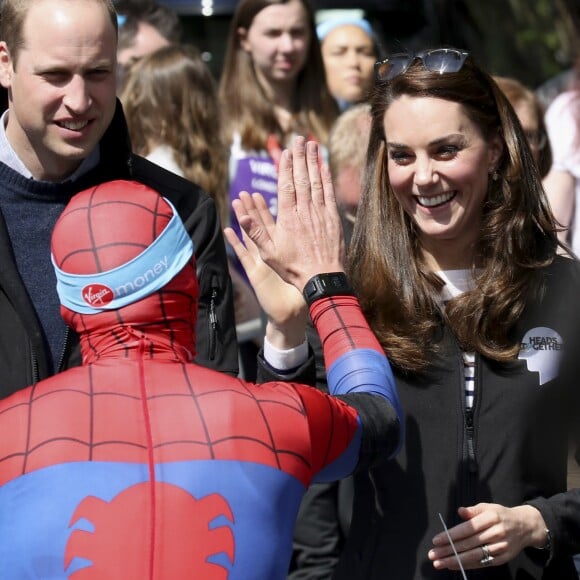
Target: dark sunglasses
(438, 60)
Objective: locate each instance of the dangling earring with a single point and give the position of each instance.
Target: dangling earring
(494, 174)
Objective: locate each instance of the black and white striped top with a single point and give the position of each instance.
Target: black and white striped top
(457, 282)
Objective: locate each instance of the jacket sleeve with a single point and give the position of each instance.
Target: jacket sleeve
(216, 328)
(217, 346)
(561, 512)
(320, 531)
(311, 372)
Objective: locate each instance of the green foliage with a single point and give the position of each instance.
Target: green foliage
(531, 40)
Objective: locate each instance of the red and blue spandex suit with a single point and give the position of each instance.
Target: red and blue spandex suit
(141, 465)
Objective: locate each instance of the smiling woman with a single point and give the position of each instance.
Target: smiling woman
(454, 257)
(458, 249)
(439, 171)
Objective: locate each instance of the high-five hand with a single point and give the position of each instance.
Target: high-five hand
(307, 237)
(283, 303)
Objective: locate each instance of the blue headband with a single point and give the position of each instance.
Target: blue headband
(329, 25)
(146, 273)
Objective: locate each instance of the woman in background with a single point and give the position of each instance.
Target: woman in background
(349, 51)
(173, 114)
(530, 112)
(563, 182)
(170, 101)
(272, 87)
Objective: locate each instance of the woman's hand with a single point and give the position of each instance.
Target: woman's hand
(489, 529)
(283, 304)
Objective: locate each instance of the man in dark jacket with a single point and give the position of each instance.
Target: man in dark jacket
(65, 131)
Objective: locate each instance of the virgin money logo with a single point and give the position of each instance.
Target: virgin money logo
(97, 295)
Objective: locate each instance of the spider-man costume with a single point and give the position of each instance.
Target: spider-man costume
(140, 464)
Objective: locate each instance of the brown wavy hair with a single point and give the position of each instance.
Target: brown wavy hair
(170, 98)
(246, 107)
(399, 295)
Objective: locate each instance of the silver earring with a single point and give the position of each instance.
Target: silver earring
(494, 174)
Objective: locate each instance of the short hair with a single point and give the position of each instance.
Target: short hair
(349, 137)
(13, 14)
(163, 19)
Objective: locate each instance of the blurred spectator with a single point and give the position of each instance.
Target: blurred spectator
(349, 51)
(170, 102)
(530, 112)
(562, 184)
(555, 85)
(347, 149)
(272, 87)
(145, 27)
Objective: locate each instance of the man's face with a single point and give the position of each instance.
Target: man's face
(62, 86)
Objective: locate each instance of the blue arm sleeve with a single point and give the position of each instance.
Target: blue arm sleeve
(366, 371)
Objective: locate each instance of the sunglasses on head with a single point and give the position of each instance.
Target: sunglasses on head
(437, 60)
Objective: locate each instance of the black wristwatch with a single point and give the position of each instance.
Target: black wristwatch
(323, 285)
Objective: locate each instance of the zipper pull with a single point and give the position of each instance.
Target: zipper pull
(212, 313)
(213, 319)
(469, 431)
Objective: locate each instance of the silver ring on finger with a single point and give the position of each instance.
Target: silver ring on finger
(486, 558)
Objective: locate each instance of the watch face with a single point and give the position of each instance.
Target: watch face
(334, 281)
(330, 284)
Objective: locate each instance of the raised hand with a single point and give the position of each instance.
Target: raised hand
(283, 303)
(307, 237)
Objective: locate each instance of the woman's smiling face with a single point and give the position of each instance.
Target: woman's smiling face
(439, 166)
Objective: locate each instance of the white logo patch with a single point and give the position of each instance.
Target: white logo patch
(541, 349)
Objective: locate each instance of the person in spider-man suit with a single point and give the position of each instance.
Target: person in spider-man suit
(141, 464)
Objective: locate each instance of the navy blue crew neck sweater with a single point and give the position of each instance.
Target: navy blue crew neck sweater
(30, 209)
